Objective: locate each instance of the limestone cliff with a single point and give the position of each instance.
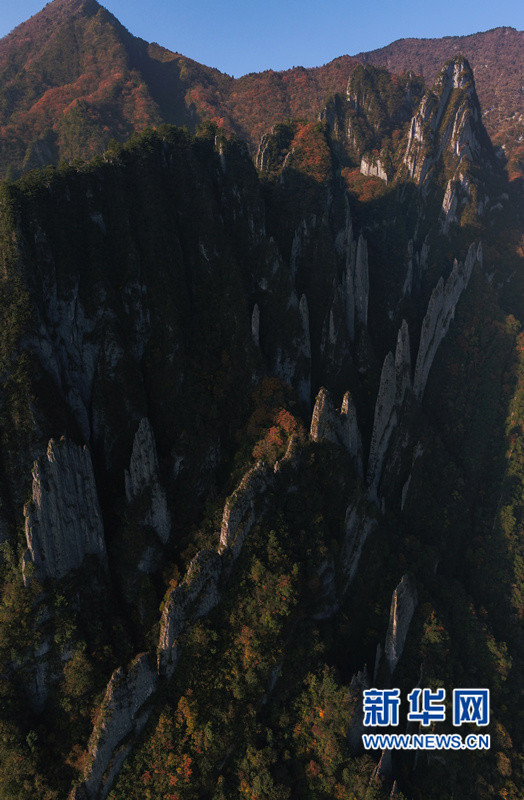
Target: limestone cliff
(63, 523)
(142, 475)
(373, 167)
(362, 282)
(338, 427)
(395, 381)
(240, 509)
(447, 133)
(194, 597)
(403, 604)
(357, 527)
(440, 313)
(122, 716)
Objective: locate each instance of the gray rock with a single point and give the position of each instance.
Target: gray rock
(384, 421)
(359, 682)
(373, 167)
(357, 527)
(362, 282)
(122, 715)
(193, 598)
(338, 427)
(384, 766)
(255, 325)
(292, 455)
(63, 522)
(395, 381)
(440, 313)
(240, 509)
(403, 604)
(402, 363)
(143, 474)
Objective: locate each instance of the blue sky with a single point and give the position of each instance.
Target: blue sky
(239, 37)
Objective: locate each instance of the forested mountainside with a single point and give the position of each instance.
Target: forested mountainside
(72, 78)
(262, 448)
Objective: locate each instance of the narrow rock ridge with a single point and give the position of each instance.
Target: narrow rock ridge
(402, 362)
(63, 522)
(384, 766)
(441, 311)
(373, 167)
(418, 452)
(292, 455)
(240, 509)
(395, 381)
(123, 714)
(143, 474)
(362, 282)
(403, 604)
(359, 682)
(357, 527)
(255, 325)
(304, 386)
(193, 598)
(338, 427)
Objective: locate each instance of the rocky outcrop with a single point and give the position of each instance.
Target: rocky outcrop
(349, 430)
(143, 475)
(357, 527)
(402, 363)
(441, 311)
(359, 682)
(448, 129)
(361, 283)
(373, 167)
(255, 325)
(63, 523)
(190, 600)
(338, 427)
(304, 386)
(395, 381)
(403, 604)
(122, 716)
(292, 455)
(384, 766)
(240, 508)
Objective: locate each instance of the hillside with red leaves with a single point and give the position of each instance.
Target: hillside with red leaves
(72, 78)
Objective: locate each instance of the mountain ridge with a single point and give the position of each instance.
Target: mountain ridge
(76, 53)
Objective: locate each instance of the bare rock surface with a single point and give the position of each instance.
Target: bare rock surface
(63, 522)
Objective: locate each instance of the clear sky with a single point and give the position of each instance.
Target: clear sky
(239, 37)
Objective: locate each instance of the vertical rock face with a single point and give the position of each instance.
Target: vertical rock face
(359, 682)
(441, 310)
(143, 474)
(193, 598)
(122, 715)
(362, 282)
(63, 523)
(403, 604)
(357, 528)
(403, 362)
(339, 427)
(448, 126)
(304, 388)
(384, 420)
(255, 325)
(350, 431)
(373, 167)
(240, 509)
(395, 380)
